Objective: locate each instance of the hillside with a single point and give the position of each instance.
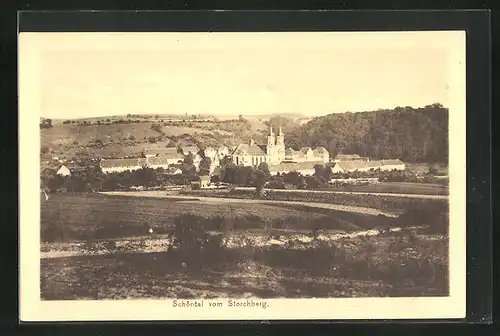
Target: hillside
(411, 134)
(120, 136)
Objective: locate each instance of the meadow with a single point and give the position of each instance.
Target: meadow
(98, 246)
(67, 217)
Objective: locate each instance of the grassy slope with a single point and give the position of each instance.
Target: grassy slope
(97, 216)
(67, 140)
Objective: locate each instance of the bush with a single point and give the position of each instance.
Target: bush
(197, 247)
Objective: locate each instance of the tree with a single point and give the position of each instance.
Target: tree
(293, 178)
(188, 159)
(145, 177)
(205, 165)
(258, 179)
(44, 150)
(264, 167)
(51, 181)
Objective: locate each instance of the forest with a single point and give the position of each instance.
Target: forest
(410, 134)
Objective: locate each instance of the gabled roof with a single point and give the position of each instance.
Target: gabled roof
(246, 149)
(192, 149)
(294, 166)
(223, 148)
(305, 149)
(115, 163)
(347, 156)
(358, 164)
(168, 151)
(392, 162)
(174, 170)
(320, 150)
(160, 160)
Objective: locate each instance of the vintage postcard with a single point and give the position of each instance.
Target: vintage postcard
(242, 176)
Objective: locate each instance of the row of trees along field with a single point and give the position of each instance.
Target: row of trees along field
(411, 134)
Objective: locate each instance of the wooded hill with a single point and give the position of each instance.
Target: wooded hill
(410, 134)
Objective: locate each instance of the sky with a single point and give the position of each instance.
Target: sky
(92, 75)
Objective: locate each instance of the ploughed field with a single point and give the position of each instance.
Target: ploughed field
(98, 246)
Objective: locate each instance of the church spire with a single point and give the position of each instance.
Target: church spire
(281, 132)
(271, 130)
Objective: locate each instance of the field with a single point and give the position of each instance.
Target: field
(103, 249)
(131, 138)
(387, 204)
(88, 216)
(423, 168)
(397, 188)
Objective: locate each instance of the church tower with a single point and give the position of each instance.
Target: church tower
(280, 146)
(271, 146)
(271, 141)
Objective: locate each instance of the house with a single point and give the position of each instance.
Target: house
(64, 171)
(274, 152)
(249, 154)
(216, 171)
(211, 153)
(304, 168)
(204, 182)
(321, 154)
(365, 166)
(68, 169)
(121, 165)
(190, 149)
(349, 157)
(169, 152)
(174, 170)
(159, 162)
(223, 151)
(393, 164)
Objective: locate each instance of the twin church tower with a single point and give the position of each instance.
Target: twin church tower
(275, 148)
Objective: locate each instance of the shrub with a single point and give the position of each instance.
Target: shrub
(197, 247)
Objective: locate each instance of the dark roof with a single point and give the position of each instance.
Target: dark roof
(246, 149)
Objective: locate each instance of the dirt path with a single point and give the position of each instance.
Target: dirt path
(189, 199)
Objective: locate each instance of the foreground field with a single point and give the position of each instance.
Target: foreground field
(66, 217)
(98, 246)
(399, 264)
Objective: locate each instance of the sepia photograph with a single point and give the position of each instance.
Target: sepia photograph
(243, 171)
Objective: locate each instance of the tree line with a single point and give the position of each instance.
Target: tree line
(407, 133)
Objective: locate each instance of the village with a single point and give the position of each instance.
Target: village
(274, 155)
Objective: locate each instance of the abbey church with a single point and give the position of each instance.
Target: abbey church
(275, 153)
